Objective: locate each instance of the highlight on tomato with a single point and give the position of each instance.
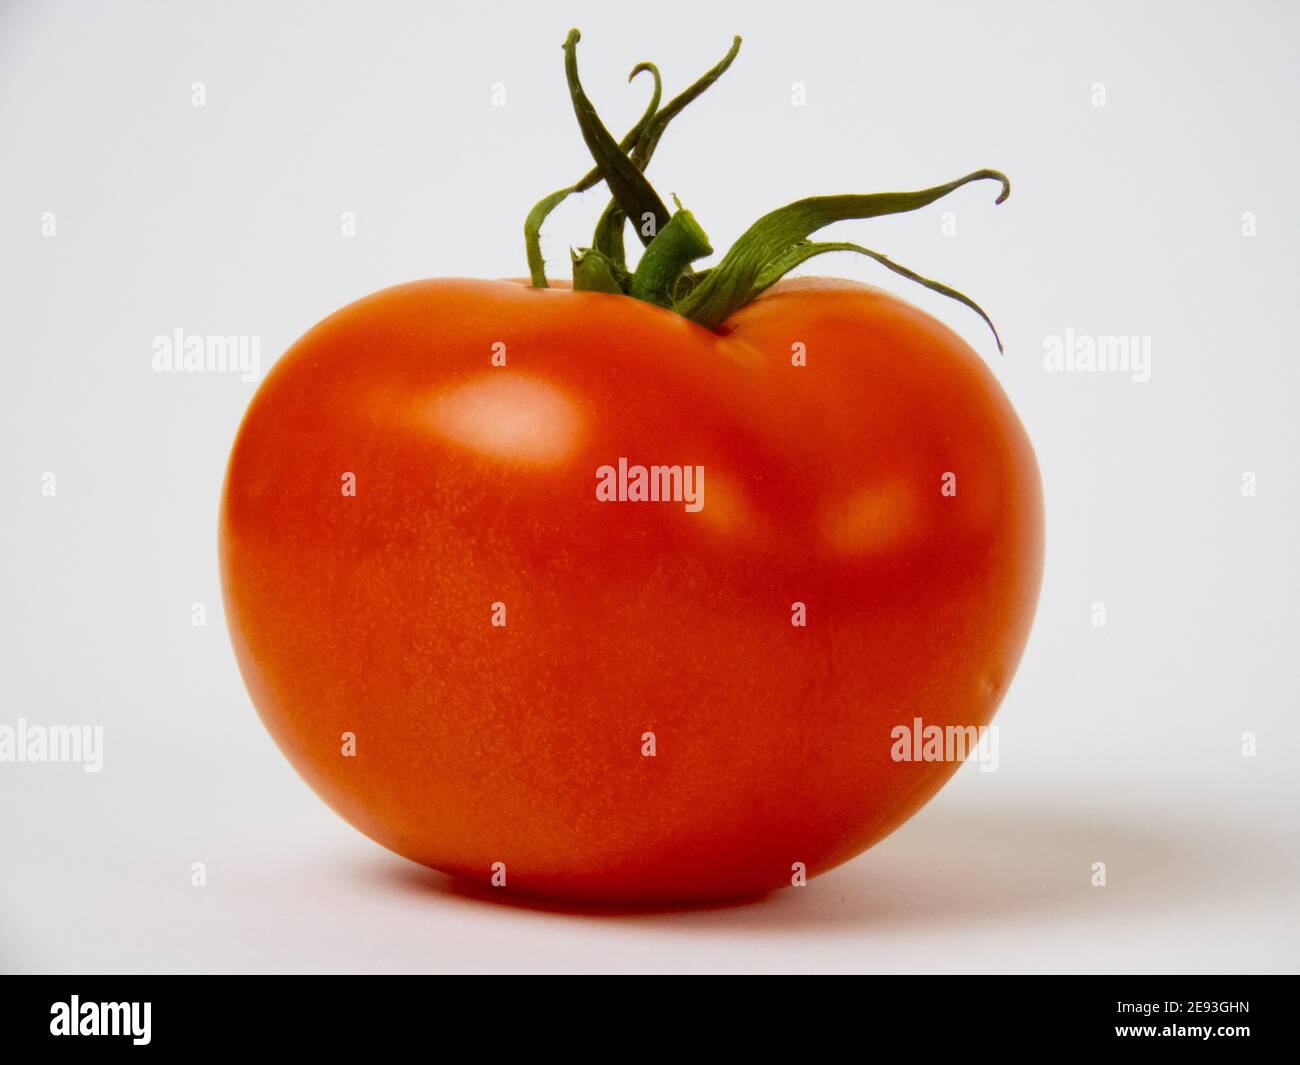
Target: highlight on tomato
(669, 583)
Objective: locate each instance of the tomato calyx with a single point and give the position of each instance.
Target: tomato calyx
(773, 246)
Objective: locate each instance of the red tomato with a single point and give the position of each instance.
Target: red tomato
(648, 724)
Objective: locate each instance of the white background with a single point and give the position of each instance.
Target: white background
(1119, 744)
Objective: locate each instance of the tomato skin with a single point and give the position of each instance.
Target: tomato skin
(475, 484)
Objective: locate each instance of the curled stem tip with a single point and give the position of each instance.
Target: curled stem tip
(538, 215)
(609, 230)
(769, 241)
(627, 184)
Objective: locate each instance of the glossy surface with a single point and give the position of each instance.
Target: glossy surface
(475, 485)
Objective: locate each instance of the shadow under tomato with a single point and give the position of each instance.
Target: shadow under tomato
(952, 865)
(418, 878)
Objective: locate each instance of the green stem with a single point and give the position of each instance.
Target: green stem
(731, 284)
(608, 237)
(627, 184)
(539, 213)
(801, 253)
(592, 272)
(678, 244)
